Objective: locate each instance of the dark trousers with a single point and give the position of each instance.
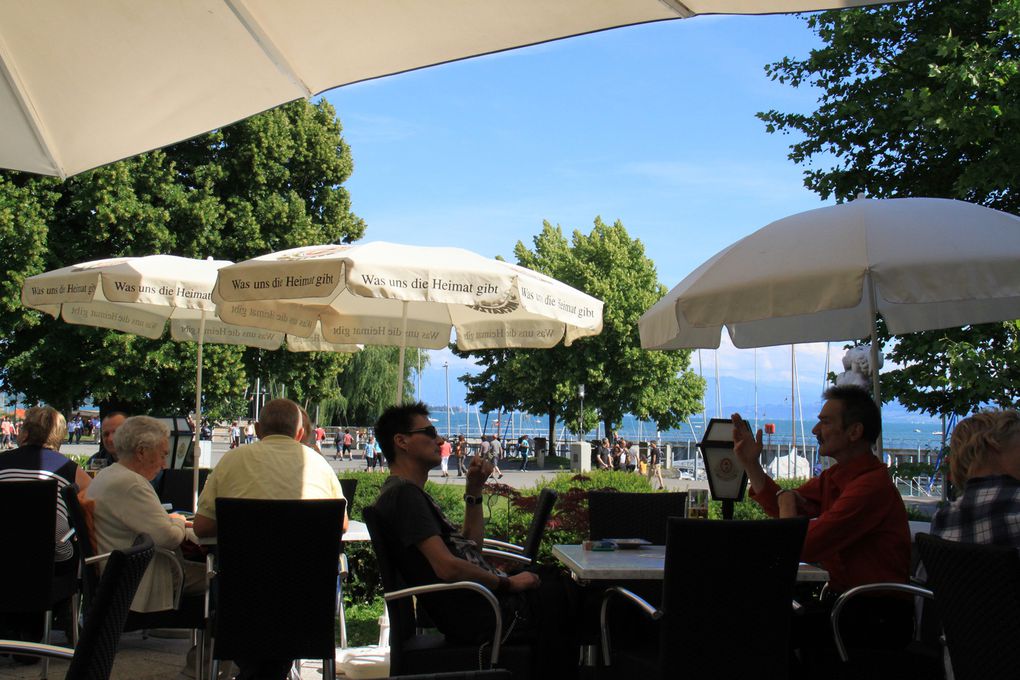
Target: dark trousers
(867, 624)
(263, 669)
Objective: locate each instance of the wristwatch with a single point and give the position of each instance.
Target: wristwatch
(472, 500)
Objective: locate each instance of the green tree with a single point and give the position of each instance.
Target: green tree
(918, 99)
(270, 182)
(365, 386)
(619, 377)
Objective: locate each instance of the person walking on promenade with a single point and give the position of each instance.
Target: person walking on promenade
(371, 453)
(348, 442)
(655, 464)
(461, 452)
(445, 449)
(496, 452)
(524, 447)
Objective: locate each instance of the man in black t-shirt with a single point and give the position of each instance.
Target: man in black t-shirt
(432, 549)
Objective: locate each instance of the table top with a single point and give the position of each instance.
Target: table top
(643, 564)
(356, 531)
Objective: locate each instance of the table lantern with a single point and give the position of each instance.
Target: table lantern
(726, 477)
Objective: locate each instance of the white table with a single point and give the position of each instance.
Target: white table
(642, 564)
(356, 531)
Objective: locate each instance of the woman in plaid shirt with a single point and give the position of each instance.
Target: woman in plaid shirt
(985, 461)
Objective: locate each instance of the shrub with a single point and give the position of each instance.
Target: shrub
(748, 509)
(508, 510)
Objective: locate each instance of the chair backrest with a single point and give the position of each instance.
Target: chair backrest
(82, 541)
(276, 578)
(977, 595)
(349, 487)
(401, 612)
(727, 595)
(105, 615)
(29, 532)
(544, 506)
(616, 514)
(176, 487)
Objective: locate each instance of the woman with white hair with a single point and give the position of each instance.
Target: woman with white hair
(127, 505)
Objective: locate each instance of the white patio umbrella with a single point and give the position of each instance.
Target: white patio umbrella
(825, 274)
(140, 294)
(89, 82)
(413, 296)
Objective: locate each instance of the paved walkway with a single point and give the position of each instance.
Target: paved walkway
(511, 475)
(154, 658)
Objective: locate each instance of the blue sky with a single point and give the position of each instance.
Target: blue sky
(652, 125)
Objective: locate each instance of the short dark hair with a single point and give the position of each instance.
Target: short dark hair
(858, 407)
(396, 420)
(279, 416)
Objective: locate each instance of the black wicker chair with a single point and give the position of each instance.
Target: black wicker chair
(726, 602)
(977, 595)
(176, 487)
(415, 652)
(616, 514)
(92, 658)
(526, 553)
(189, 612)
(29, 579)
(275, 580)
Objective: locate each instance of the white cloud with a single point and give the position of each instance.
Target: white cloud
(777, 182)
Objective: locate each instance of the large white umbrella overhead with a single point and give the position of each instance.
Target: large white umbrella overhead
(382, 293)
(88, 82)
(140, 294)
(825, 274)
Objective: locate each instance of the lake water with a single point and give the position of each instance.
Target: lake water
(900, 432)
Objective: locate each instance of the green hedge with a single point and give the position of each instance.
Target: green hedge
(508, 515)
(509, 511)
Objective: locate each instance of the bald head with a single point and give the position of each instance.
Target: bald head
(280, 416)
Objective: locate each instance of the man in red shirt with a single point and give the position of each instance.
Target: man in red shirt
(858, 528)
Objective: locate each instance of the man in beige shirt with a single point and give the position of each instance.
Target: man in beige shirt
(277, 467)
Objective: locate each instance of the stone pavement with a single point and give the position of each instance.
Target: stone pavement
(154, 658)
(511, 475)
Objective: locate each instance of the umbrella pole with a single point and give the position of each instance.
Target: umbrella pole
(876, 384)
(403, 347)
(197, 450)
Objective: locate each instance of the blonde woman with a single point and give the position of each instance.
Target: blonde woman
(985, 460)
(39, 457)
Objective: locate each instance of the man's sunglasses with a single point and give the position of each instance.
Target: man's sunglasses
(429, 431)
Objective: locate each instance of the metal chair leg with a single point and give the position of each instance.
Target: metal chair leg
(47, 629)
(75, 618)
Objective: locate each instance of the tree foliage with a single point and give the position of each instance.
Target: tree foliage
(366, 385)
(270, 182)
(619, 377)
(918, 99)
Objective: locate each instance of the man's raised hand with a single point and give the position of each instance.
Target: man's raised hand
(746, 446)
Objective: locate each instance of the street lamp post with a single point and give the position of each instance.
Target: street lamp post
(446, 367)
(580, 432)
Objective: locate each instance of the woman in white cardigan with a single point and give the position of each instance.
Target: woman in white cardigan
(127, 505)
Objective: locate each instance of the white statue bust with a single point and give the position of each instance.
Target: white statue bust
(857, 365)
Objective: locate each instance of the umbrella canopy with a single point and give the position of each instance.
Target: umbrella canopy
(88, 83)
(389, 294)
(139, 294)
(922, 263)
